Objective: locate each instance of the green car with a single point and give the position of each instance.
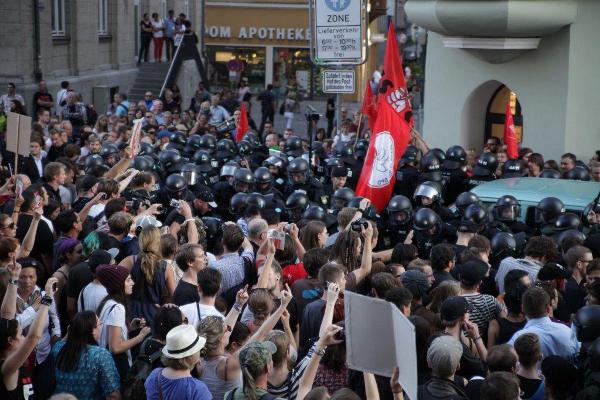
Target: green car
(576, 195)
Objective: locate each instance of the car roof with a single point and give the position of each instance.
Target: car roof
(574, 194)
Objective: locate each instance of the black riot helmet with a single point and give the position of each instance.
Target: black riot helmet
(570, 233)
(193, 144)
(486, 165)
(318, 149)
(314, 213)
(145, 149)
(427, 190)
(92, 161)
(245, 148)
(427, 221)
(473, 219)
(225, 149)
(295, 205)
(253, 139)
(431, 168)
(503, 245)
(208, 142)
(143, 163)
(587, 323)
(178, 138)
(191, 173)
(228, 169)
(439, 153)
(548, 210)
(108, 150)
(399, 210)
(243, 180)
(275, 161)
(263, 179)
(456, 157)
(293, 147)
(579, 173)
(345, 152)
(176, 186)
(361, 148)
(203, 160)
(237, 204)
(567, 221)
(298, 170)
(256, 199)
(507, 208)
(464, 200)
(214, 231)
(341, 198)
(169, 159)
(411, 155)
(549, 173)
(513, 169)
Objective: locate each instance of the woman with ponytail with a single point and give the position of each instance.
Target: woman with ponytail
(149, 274)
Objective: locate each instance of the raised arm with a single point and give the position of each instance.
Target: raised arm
(294, 231)
(263, 279)
(367, 256)
(241, 298)
(29, 239)
(8, 310)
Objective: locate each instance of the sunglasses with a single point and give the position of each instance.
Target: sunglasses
(9, 226)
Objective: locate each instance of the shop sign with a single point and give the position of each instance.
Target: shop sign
(258, 32)
(338, 81)
(339, 31)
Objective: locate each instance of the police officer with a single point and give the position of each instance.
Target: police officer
(174, 190)
(207, 166)
(546, 213)
(429, 230)
(276, 166)
(345, 152)
(398, 223)
(293, 148)
(431, 170)
(243, 179)
(225, 151)
(484, 170)
(110, 154)
(407, 175)
(506, 214)
(513, 169)
(263, 184)
(338, 180)
(170, 161)
(428, 194)
(203, 205)
(295, 205)
(454, 178)
(299, 178)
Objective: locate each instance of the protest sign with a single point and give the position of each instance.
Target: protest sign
(378, 338)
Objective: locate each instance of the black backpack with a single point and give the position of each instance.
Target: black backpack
(139, 371)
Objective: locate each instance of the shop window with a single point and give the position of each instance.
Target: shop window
(58, 18)
(228, 65)
(102, 17)
(294, 74)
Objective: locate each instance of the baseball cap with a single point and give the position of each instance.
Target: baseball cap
(257, 355)
(551, 271)
(206, 194)
(146, 221)
(454, 307)
(339, 172)
(99, 257)
(163, 134)
(472, 272)
(416, 282)
(444, 355)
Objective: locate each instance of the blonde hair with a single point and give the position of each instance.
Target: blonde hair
(211, 328)
(149, 251)
(282, 342)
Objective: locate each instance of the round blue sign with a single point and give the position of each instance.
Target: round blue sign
(338, 5)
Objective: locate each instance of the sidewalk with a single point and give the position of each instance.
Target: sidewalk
(299, 123)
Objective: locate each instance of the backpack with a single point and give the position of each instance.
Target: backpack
(139, 371)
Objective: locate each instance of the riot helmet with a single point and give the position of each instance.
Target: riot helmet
(314, 213)
(203, 160)
(549, 173)
(427, 221)
(567, 221)
(431, 168)
(145, 149)
(169, 159)
(456, 157)
(243, 180)
(427, 194)
(513, 169)
(245, 148)
(486, 165)
(579, 173)
(237, 204)
(191, 173)
(570, 233)
(473, 219)
(293, 147)
(341, 198)
(143, 163)
(228, 170)
(225, 149)
(587, 323)
(399, 210)
(92, 161)
(503, 245)
(507, 209)
(464, 200)
(298, 171)
(438, 153)
(192, 144)
(361, 148)
(411, 155)
(345, 152)
(256, 199)
(207, 142)
(295, 205)
(263, 179)
(548, 210)
(176, 186)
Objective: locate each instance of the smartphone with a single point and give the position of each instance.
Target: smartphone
(18, 187)
(39, 202)
(278, 238)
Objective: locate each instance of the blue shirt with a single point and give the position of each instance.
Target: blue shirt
(95, 376)
(170, 27)
(555, 339)
(175, 389)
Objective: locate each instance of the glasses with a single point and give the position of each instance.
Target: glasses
(149, 116)
(9, 226)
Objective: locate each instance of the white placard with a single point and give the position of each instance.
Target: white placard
(338, 33)
(338, 81)
(378, 338)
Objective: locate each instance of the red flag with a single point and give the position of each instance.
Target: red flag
(242, 126)
(391, 132)
(510, 138)
(369, 108)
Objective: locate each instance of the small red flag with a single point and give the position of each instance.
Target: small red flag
(391, 131)
(510, 138)
(242, 127)
(369, 108)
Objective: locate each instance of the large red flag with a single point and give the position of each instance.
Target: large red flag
(510, 138)
(369, 108)
(391, 132)
(242, 126)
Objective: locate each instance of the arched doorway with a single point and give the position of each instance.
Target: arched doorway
(496, 110)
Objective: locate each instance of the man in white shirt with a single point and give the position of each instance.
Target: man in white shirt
(61, 97)
(11, 95)
(209, 284)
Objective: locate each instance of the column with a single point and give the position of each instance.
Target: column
(269, 65)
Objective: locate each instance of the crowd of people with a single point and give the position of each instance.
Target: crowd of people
(201, 266)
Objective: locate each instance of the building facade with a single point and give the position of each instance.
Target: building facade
(92, 44)
(541, 56)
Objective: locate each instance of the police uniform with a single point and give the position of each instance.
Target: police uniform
(455, 182)
(313, 189)
(424, 242)
(407, 180)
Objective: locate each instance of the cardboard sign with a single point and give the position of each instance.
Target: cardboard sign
(18, 133)
(378, 338)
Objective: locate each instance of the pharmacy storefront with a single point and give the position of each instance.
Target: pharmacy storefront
(262, 44)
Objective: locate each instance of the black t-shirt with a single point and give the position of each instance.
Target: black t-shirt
(528, 386)
(108, 242)
(311, 323)
(185, 293)
(79, 276)
(44, 238)
(143, 25)
(80, 203)
(40, 96)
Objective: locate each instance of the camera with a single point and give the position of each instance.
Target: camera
(358, 225)
(287, 228)
(174, 203)
(226, 126)
(136, 202)
(311, 114)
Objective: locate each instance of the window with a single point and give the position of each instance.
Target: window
(58, 17)
(102, 17)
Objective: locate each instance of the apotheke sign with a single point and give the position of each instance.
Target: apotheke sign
(258, 32)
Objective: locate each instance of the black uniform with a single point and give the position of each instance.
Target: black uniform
(425, 242)
(407, 179)
(454, 182)
(312, 187)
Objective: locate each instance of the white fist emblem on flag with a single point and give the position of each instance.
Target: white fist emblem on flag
(398, 99)
(383, 164)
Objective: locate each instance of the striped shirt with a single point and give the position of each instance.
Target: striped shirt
(231, 266)
(484, 308)
(289, 388)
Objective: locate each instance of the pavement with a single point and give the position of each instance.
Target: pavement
(299, 122)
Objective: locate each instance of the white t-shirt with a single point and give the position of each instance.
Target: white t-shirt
(91, 296)
(158, 25)
(113, 314)
(191, 312)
